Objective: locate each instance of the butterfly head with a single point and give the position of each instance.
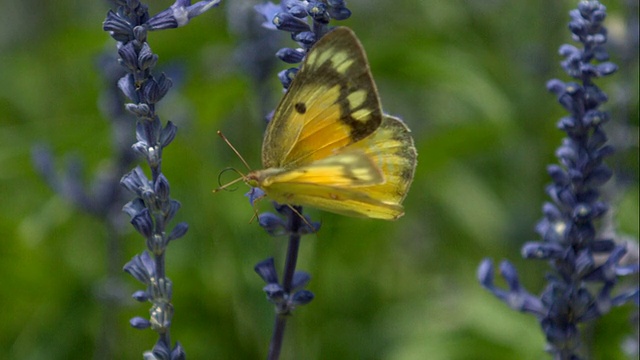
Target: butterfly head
(262, 178)
(253, 179)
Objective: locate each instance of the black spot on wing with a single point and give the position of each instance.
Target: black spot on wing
(300, 107)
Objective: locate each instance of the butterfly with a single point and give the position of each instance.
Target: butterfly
(329, 145)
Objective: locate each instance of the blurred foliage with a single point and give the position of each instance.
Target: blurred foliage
(467, 76)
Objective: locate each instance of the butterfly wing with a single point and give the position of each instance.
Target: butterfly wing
(331, 103)
(347, 169)
(369, 178)
(343, 201)
(392, 150)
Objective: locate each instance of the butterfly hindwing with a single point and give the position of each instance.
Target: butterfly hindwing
(391, 148)
(343, 201)
(369, 178)
(347, 169)
(331, 103)
(332, 184)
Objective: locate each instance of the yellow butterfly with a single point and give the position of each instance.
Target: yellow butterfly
(329, 146)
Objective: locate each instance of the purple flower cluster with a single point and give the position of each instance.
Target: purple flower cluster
(152, 208)
(307, 21)
(580, 287)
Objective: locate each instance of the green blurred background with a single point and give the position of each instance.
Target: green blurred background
(467, 76)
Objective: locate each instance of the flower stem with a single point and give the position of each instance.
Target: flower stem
(292, 252)
(294, 223)
(276, 339)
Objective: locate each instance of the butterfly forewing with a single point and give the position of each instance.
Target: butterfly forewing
(331, 103)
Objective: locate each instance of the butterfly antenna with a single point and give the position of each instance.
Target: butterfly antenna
(225, 186)
(234, 149)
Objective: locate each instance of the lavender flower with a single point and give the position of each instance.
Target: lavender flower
(152, 209)
(579, 289)
(307, 21)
